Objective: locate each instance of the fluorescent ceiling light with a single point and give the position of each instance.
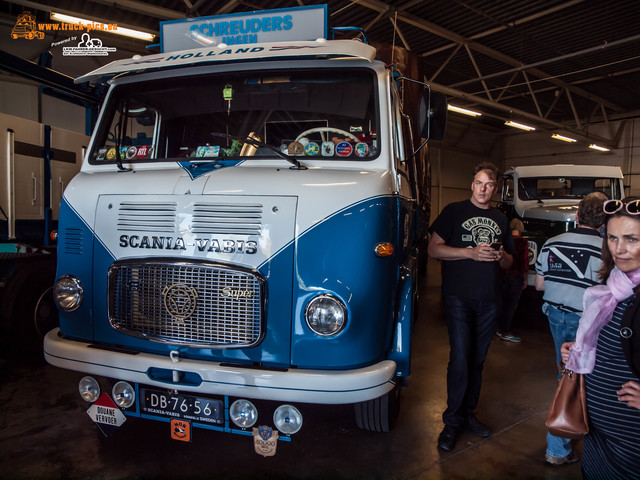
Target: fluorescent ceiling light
(563, 138)
(127, 32)
(464, 111)
(598, 147)
(521, 126)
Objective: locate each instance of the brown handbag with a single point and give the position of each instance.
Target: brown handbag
(567, 417)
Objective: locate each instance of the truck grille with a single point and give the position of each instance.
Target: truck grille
(196, 304)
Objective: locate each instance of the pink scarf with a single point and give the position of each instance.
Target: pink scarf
(598, 304)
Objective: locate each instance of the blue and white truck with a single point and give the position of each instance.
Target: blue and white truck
(243, 237)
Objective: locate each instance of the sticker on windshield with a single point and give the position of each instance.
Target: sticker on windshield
(327, 149)
(312, 149)
(143, 151)
(344, 149)
(207, 151)
(362, 149)
(131, 153)
(102, 153)
(295, 148)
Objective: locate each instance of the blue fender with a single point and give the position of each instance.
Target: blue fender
(401, 347)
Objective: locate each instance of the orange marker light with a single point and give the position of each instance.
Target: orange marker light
(383, 249)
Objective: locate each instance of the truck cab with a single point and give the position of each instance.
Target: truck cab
(546, 198)
(243, 237)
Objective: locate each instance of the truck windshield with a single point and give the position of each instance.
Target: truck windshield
(326, 114)
(567, 187)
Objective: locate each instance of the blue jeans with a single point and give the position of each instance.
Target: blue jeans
(471, 324)
(564, 326)
(511, 289)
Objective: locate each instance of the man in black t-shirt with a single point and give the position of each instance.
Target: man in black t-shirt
(473, 241)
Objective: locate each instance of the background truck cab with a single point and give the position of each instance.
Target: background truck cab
(546, 197)
(244, 235)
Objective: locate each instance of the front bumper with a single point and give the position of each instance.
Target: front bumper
(285, 385)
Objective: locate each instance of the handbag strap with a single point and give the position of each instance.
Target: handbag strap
(627, 332)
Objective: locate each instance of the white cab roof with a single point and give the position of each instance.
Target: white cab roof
(602, 171)
(256, 51)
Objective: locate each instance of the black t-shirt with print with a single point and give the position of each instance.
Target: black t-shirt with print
(463, 225)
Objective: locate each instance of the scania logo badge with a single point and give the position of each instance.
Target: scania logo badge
(179, 300)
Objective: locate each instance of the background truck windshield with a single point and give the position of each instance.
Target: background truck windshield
(326, 114)
(567, 187)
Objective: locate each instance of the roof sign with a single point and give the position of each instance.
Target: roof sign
(280, 25)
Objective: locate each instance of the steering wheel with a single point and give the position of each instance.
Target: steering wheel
(321, 130)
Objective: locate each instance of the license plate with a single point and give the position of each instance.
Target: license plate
(206, 410)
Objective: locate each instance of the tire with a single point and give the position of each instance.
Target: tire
(379, 414)
(423, 257)
(45, 314)
(19, 299)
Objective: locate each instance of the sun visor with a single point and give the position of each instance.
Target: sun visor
(265, 51)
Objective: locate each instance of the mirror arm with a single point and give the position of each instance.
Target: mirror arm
(417, 150)
(415, 81)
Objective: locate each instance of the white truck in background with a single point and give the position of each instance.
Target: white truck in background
(546, 198)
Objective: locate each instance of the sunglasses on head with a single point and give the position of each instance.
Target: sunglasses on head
(612, 206)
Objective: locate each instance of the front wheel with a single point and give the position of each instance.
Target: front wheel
(379, 414)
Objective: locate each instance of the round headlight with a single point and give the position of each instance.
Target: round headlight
(123, 394)
(326, 315)
(287, 419)
(67, 293)
(243, 413)
(89, 389)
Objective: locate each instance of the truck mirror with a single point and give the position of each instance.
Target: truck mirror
(432, 115)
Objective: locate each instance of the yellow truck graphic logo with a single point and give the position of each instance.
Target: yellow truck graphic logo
(25, 27)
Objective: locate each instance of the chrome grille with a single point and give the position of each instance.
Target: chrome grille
(194, 304)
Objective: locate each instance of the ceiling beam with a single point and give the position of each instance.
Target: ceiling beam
(490, 52)
(228, 7)
(515, 23)
(520, 113)
(597, 48)
(397, 30)
(46, 8)
(143, 8)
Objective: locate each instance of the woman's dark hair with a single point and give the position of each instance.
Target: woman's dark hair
(607, 259)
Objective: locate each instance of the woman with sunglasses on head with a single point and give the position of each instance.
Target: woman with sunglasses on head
(607, 350)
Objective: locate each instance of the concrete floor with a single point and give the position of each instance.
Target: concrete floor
(45, 432)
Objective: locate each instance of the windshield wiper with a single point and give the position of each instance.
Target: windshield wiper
(257, 143)
(121, 127)
(529, 194)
